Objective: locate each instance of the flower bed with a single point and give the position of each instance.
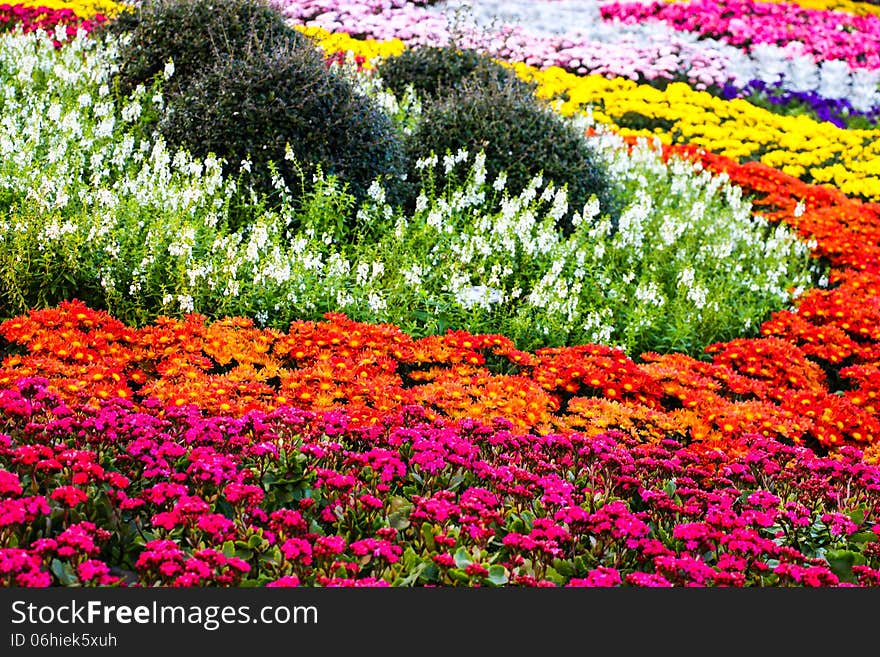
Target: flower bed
(196, 451)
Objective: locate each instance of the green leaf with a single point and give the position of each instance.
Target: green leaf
(565, 568)
(228, 549)
(860, 538)
(841, 563)
(857, 516)
(554, 576)
(398, 521)
(498, 575)
(462, 558)
(413, 575)
(430, 573)
(64, 573)
(410, 558)
(398, 503)
(428, 536)
(400, 508)
(456, 480)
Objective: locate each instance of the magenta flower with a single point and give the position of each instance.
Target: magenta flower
(69, 496)
(288, 581)
(9, 484)
(218, 526)
(81, 538)
(297, 549)
(598, 577)
(377, 548)
(812, 576)
(329, 546)
(164, 491)
(288, 521)
(96, 571)
(647, 579)
(696, 535)
(444, 560)
(167, 520)
(365, 582)
(244, 493)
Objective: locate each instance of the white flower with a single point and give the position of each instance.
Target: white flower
(131, 112)
(500, 182)
(468, 297)
(376, 192)
(376, 303)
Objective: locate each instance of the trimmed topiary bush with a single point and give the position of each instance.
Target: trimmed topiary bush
(520, 135)
(193, 33)
(245, 86)
(257, 104)
(433, 70)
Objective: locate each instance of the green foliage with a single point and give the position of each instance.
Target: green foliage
(520, 135)
(247, 87)
(126, 224)
(193, 33)
(262, 102)
(434, 70)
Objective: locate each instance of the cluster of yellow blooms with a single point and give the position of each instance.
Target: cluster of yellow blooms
(340, 42)
(814, 151)
(817, 152)
(82, 8)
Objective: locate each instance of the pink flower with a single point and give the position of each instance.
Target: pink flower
(476, 570)
(329, 546)
(444, 560)
(288, 520)
(297, 549)
(368, 582)
(9, 484)
(377, 548)
(598, 578)
(70, 496)
(286, 581)
(12, 512)
(217, 525)
(244, 493)
(647, 579)
(81, 539)
(167, 520)
(92, 569)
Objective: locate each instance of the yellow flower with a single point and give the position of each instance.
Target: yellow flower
(367, 48)
(817, 151)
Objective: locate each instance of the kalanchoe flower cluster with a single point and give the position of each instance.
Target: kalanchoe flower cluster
(333, 503)
(195, 453)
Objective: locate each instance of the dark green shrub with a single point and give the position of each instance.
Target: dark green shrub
(245, 85)
(254, 104)
(193, 33)
(433, 70)
(519, 134)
